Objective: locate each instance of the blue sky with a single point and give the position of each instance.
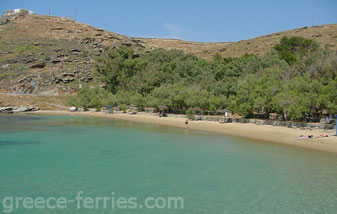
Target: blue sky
(193, 20)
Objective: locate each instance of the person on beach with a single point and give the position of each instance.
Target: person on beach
(186, 123)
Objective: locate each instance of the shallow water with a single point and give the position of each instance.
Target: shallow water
(57, 156)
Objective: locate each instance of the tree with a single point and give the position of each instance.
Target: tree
(267, 86)
(244, 102)
(296, 80)
(291, 48)
(88, 97)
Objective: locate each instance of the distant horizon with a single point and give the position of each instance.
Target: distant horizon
(198, 22)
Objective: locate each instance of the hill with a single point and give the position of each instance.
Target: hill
(53, 55)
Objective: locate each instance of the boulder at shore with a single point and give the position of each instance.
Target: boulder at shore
(17, 109)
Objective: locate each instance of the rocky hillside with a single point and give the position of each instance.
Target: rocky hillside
(54, 55)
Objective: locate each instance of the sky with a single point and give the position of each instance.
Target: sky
(192, 20)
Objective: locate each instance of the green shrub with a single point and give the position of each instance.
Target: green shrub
(26, 48)
(190, 113)
(297, 80)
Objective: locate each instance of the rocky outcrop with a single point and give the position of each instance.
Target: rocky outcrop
(39, 65)
(10, 15)
(6, 110)
(17, 109)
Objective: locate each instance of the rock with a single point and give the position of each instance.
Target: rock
(10, 15)
(30, 60)
(136, 40)
(95, 45)
(55, 61)
(28, 85)
(86, 79)
(268, 122)
(112, 37)
(75, 50)
(87, 40)
(68, 60)
(20, 109)
(38, 65)
(24, 89)
(73, 108)
(57, 28)
(25, 79)
(228, 120)
(46, 82)
(68, 74)
(34, 109)
(127, 44)
(24, 109)
(68, 80)
(6, 110)
(57, 80)
(71, 74)
(12, 61)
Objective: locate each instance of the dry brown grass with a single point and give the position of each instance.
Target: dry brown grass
(43, 102)
(39, 26)
(324, 34)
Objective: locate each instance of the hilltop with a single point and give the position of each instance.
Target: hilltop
(53, 55)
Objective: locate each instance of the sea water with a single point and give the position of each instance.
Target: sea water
(60, 156)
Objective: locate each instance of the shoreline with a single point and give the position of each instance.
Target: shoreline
(266, 133)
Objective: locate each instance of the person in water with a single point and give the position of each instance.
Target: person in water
(186, 123)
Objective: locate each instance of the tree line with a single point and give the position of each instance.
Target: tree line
(296, 80)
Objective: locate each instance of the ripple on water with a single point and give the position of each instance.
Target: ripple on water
(18, 143)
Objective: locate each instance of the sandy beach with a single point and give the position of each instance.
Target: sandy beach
(266, 133)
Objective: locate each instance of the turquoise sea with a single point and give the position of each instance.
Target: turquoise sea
(58, 156)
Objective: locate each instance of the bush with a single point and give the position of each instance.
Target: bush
(26, 48)
(88, 98)
(296, 80)
(123, 107)
(190, 113)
